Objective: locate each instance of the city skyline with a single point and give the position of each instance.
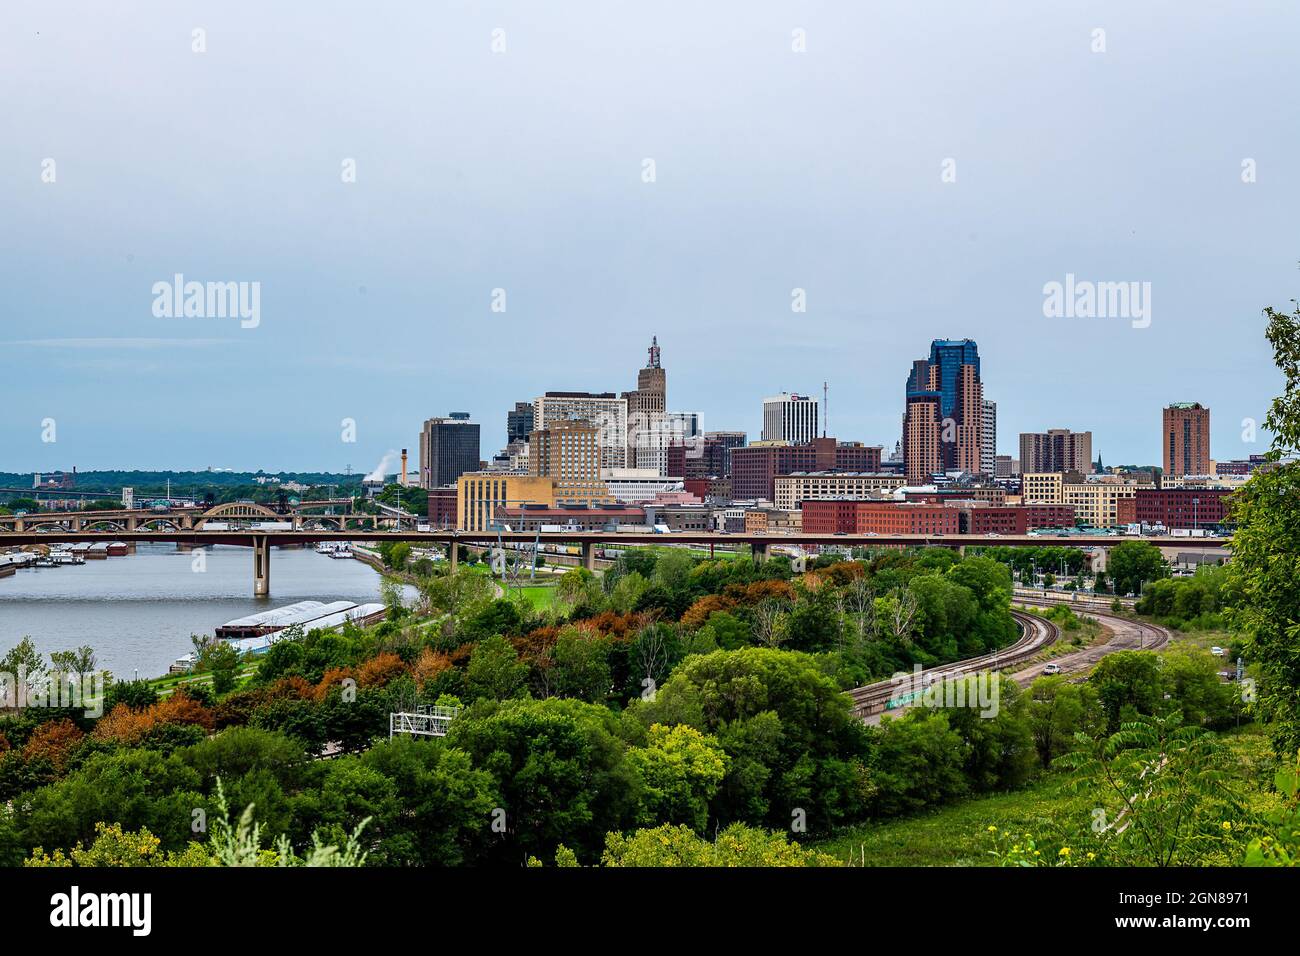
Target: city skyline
(819, 418)
(893, 205)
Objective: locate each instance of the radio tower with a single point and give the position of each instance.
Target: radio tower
(826, 408)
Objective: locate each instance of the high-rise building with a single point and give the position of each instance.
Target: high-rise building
(1186, 439)
(449, 447)
(944, 417)
(519, 422)
(1057, 449)
(989, 438)
(646, 408)
(603, 409)
(568, 452)
(789, 417)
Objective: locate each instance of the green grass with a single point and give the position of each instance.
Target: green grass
(541, 596)
(957, 835)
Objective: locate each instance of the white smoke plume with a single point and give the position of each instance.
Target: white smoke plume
(389, 461)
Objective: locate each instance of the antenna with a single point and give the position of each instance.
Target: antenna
(826, 408)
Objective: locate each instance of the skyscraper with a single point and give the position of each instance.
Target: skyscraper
(519, 422)
(944, 417)
(449, 447)
(989, 438)
(788, 417)
(604, 409)
(1057, 449)
(646, 438)
(1186, 439)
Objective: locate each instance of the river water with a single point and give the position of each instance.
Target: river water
(139, 611)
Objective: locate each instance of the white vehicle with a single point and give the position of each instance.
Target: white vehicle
(1052, 669)
(1217, 651)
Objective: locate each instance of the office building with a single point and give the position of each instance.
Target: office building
(1186, 439)
(568, 452)
(603, 409)
(989, 438)
(449, 447)
(790, 418)
(944, 415)
(479, 495)
(1057, 449)
(519, 423)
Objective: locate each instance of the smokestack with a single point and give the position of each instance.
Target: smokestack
(402, 478)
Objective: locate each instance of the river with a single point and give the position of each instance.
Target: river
(139, 611)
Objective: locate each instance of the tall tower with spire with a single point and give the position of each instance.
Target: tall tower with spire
(646, 442)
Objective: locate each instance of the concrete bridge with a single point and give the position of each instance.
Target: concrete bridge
(191, 518)
(590, 542)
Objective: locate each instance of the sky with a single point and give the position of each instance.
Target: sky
(376, 171)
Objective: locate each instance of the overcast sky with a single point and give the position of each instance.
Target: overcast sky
(524, 170)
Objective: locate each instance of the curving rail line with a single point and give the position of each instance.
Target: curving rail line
(1126, 635)
(1036, 633)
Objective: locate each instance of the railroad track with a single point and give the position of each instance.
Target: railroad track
(1127, 635)
(1036, 633)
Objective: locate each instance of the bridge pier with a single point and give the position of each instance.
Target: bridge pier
(453, 555)
(261, 566)
(759, 551)
(589, 555)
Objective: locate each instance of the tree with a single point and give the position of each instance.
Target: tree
(1191, 680)
(22, 662)
(560, 771)
(916, 762)
(1265, 567)
(1133, 563)
(1058, 710)
(737, 845)
(770, 623)
(681, 770)
(581, 665)
(222, 660)
(1164, 792)
(1128, 685)
(454, 593)
(793, 742)
(78, 663)
(495, 671)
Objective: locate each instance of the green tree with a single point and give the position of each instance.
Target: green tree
(581, 665)
(1163, 793)
(1128, 684)
(560, 771)
(1134, 563)
(737, 845)
(1058, 710)
(495, 671)
(1265, 566)
(681, 770)
(222, 661)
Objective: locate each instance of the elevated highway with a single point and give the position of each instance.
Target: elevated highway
(324, 529)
